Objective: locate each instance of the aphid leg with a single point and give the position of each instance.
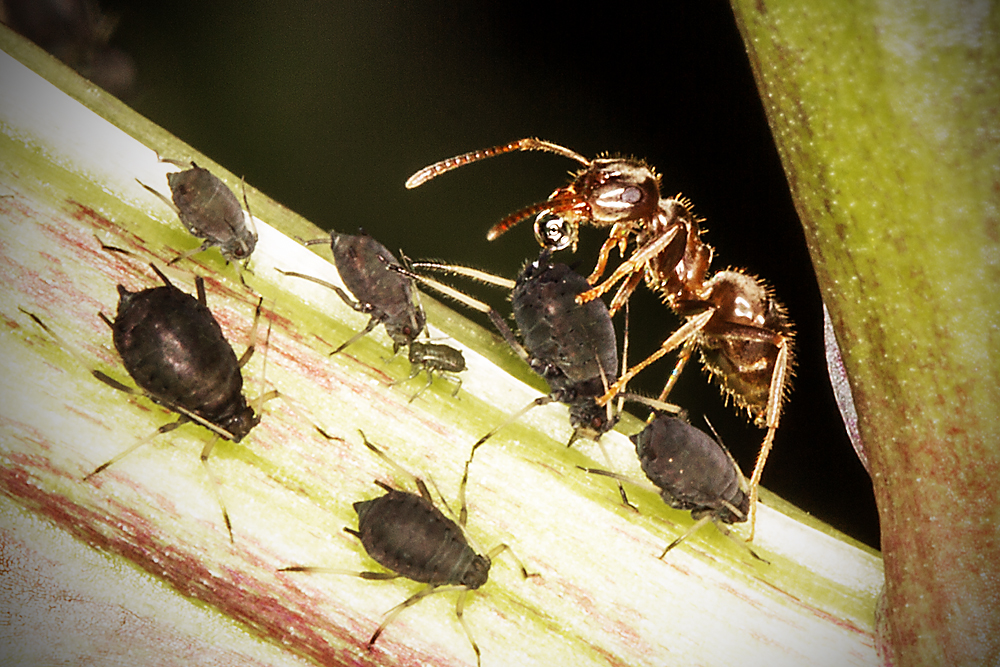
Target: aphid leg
(683, 334)
(214, 484)
(460, 613)
(775, 398)
(355, 305)
(190, 253)
(166, 428)
(252, 344)
(391, 615)
(317, 569)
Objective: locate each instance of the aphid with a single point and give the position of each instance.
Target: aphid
(173, 347)
(572, 346)
(386, 295)
(408, 535)
(210, 211)
(691, 472)
(741, 331)
(435, 358)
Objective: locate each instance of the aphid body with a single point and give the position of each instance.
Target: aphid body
(384, 294)
(692, 471)
(174, 349)
(210, 211)
(407, 534)
(435, 358)
(573, 346)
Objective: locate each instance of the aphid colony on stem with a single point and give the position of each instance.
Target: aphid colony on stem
(742, 332)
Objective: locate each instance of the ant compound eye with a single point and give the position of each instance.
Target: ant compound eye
(553, 232)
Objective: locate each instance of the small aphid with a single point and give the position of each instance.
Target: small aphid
(435, 358)
(363, 264)
(407, 534)
(210, 211)
(174, 349)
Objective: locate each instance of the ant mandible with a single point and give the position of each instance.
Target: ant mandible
(742, 332)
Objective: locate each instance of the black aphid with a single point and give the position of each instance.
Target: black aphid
(173, 347)
(693, 472)
(363, 264)
(210, 211)
(407, 534)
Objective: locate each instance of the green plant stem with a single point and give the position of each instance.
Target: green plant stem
(886, 118)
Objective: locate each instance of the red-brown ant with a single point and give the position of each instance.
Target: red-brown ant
(742, 331)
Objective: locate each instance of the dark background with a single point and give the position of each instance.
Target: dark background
(328, 106)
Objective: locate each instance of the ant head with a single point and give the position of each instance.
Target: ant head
(610, 191)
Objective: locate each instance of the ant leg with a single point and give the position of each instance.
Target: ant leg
(602, 259)
(624, 292)
(632, 265)
(775, 398)
(682, 360)
(683, 334)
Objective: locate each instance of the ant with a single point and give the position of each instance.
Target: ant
(741, 330)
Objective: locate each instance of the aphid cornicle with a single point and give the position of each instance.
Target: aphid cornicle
(741, 330)
(173, 348)
(386, 295)
(210, 211)
(407, 534)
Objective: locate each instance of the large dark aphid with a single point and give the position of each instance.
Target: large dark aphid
(386, 295)
(408, 535)
(573, 346)
(744, 336)
(210, 211)
(173, 347)
(693, 472)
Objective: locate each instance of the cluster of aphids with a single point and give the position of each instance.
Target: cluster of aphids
(174, 349)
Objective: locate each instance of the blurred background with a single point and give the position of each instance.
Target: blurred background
(327, 107)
